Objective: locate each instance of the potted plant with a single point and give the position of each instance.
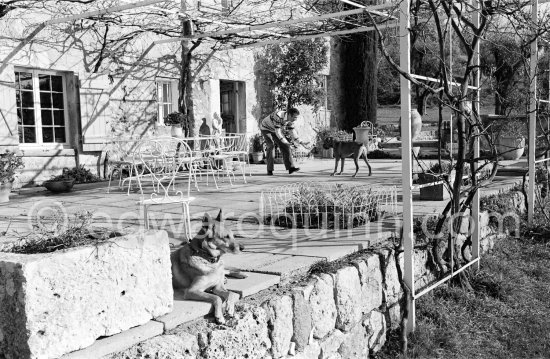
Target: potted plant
(60, 183)
(510, 139)
(176, 120)
(257, 147)
(436, 173)
(9, 164)
(326, 132)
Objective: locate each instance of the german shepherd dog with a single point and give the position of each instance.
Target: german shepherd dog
(198, 270)
(343, 149)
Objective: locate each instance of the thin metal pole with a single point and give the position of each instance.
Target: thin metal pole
(532, 114)
(476, 235)
(406, 155)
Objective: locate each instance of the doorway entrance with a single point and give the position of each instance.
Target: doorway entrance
(233, 106)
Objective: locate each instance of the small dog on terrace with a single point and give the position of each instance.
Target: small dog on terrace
(343, 149)
(198, 270)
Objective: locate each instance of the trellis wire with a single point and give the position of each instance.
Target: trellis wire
(326, 205)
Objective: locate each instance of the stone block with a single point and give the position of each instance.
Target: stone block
(331, 344)
(356, 344)
(348, 298)
(302, 320)
(392, 284)
(279, 318)
(159, 346)
(323, 308)
(313, 350)
(55, 303)
(375, 323)
(370, 276)
(249, 335)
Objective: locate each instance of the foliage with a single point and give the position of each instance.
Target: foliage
(291, 71)
(439, 168)
(332, 207)
(60, 233)
(9, 164)
(257, 143)
(175, 119)
(323, 133)
(77, 174)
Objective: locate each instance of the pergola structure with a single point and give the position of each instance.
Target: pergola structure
(303, 28)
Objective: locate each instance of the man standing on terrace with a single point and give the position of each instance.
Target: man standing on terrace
(273, 127)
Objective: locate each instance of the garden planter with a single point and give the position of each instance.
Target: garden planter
(55, 303)
(5, 190)
(59, 186)
(436, 192)
(257, 157)
(363, 134)
(510, 147)
(176, 131)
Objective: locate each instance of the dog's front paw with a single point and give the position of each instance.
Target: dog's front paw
(354, 175)
(339, 173)
(232, 300)
(220, 319)
(332, 174)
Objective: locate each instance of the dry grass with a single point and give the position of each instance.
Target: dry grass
(505, 317)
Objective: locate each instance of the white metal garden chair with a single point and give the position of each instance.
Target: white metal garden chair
(162, 161)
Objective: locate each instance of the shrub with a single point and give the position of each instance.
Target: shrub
(78, 174)
(175, 119)
(9, 164)
(257, 143)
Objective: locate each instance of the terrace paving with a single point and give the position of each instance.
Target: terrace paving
(273, 253)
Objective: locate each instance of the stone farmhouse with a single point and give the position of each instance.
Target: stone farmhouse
(67, 92)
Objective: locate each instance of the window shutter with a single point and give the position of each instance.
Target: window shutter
(94, 110)
(9, 135)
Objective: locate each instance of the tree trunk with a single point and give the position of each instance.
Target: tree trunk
(360, 79)
(185, 99)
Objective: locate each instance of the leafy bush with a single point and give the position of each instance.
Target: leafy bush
(78, 174)
(328, 207)
(9, 164)
(257, 143)
(175, 119)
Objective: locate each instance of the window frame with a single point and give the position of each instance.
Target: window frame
(159, 83)
(38, 109)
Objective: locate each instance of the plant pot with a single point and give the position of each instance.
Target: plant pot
(5, 190)
(257, 157)
(436, 192)
(510, 147)
(176, 131)
(59, 186)
(72, 297)
(327, 153)
(363, 134)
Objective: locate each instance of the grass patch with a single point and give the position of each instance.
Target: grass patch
(59, 234)
(505, 317)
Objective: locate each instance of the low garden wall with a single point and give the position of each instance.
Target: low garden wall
(55, 303)
(343, 312)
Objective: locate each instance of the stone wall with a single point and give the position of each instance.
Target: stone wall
(344, 314)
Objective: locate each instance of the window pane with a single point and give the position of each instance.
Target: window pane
(60, 134)
(46, 117)
(58, 118)
(27, 99)
(57, 83)
(25, 80)
(44, 81)
(165, 95)
(29, 135)
(166, 110)
(47, 134)
(45, 100)
(28, 117)
(19, 117)
(18, 98)
(57, 100)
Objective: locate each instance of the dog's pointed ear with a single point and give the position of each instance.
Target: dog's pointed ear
(220, 216)
(207, 220)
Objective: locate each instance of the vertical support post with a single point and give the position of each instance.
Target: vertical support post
(406, 155)
(532, 113)
(475, 108)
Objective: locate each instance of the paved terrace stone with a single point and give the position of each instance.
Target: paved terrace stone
(274, 254)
